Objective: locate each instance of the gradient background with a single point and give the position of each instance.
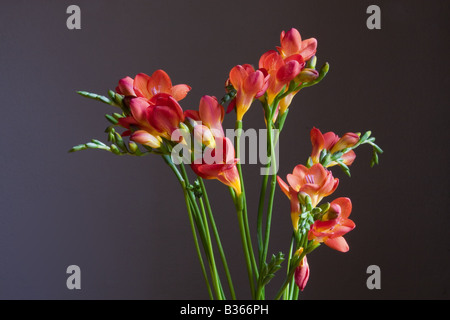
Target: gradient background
(123, 219)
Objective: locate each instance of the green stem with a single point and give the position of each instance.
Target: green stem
(207, 241)
(242, 212)
(246, 251)
(262, 196)
(291, 249)
(217, 237)
(191, 221)
(271, 195)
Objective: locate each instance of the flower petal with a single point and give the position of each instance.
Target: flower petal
(284, 187)
(339, 244)
(309, 48)
(140, 85)
(180, 91)
(159, 82)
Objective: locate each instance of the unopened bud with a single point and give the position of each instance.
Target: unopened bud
(132, 146)
(304, 198)
(333, 212)
(302, 274)
(203, 134)
(145, 138)
(312, 62)
(307, 75)
(348, 140)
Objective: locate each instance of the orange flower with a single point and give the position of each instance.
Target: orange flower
(317, 182)
(292, 43)
(334, 225)
(281, 71)
(148, 86)
(249, 84)
(219, 164)
(333, 143)
(210, 113)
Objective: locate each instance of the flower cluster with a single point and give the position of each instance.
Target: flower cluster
(154, 122)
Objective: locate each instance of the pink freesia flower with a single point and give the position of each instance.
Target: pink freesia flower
(333, 143)
(292, 43)
(210, 113)
(334, 225)
(159, 116)
(317, 182)
(145, 86)
(281, 71)
(220, 164)
(249, 85)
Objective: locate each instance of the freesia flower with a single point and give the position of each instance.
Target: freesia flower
(301, 275)
(281, 72)
(317, 182)
(249, 85)
(219, 163)
(210, 113)
(145, 86)
(334, 225)
(165, 114)
(159, 116)
(332, 143)
(138, 119)
(292, 43)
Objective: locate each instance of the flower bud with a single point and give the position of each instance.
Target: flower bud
(304, 198)
(348, 140)
(203, 134)
(307, 75)
(145, 138)
(302, 274)
(333, 212)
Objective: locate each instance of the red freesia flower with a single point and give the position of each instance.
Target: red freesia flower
(292, 43)
(301, 275)
(317, 182)
(165, 114)
(220, 164)
(333, 143)
(249, 84)
(145, 86)
(159, 116)
(334, 225)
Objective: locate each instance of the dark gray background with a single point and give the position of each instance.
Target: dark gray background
(123, 219)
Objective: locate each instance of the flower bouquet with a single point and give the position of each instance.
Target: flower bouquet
(150, 120)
